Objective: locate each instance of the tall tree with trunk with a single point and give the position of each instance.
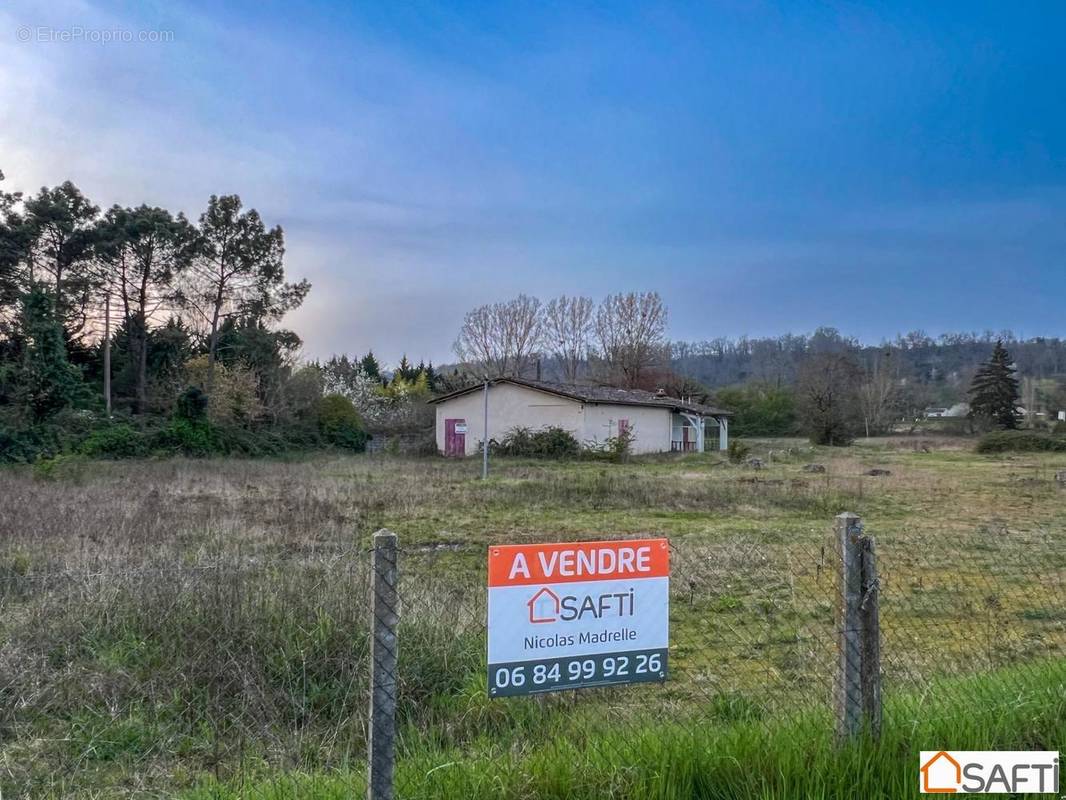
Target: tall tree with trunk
(142, 250)
(500, 339)
(994, 391)
(237, 271)
(58, 228)
(631, 332)
(568, 332)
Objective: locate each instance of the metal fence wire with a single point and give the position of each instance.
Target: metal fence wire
(286, 676)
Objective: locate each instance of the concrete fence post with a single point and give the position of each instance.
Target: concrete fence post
(385, 617)
(858, 684)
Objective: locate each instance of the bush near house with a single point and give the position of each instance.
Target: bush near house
(551, 442)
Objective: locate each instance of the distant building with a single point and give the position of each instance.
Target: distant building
(957, 410)
(657, 423)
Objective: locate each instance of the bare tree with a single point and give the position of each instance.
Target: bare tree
(827, 398)
(631, 332)
(877, 394)
(501, 338)
(568, 332)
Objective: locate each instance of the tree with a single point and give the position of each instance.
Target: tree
(370, 366)
(499, 339)
(827, 398)
(47, 381)
(994, 390)
(877, 394)
(57, 230)
(237, 271)
(14, 241)
(759, 409)
(568, 332)
(631, 331)
(142, 249)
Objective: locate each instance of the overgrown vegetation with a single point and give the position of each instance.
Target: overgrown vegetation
(1021, 442)
(550, 442)
(200, 628)
(195, 311)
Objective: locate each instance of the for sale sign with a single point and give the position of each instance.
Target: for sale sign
(564, 616)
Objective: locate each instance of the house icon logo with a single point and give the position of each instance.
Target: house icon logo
(941, 774)
(543, 606)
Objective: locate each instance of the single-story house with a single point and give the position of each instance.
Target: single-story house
(657, 423)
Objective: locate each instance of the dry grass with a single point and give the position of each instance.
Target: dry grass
(163, 621)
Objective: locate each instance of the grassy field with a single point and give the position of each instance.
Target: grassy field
(200, 628)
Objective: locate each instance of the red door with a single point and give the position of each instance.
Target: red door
(686, 446)
(455, 438)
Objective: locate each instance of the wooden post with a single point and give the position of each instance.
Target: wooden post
(869, 612)
(848, 529)
(385, 617)
(858, 688)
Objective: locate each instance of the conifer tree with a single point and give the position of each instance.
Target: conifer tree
(370, 365)
(994, 391)
(47, 381)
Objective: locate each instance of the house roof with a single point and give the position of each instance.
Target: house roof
(601, 395)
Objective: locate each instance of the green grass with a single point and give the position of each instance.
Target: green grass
(701, 759)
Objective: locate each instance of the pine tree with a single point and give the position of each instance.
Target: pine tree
(404, 371)
(370, 365)
(994, 391)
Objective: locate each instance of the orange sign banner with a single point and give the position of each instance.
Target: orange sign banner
(571, 562)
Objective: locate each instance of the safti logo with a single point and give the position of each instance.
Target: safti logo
(989, 772)
(544, 606)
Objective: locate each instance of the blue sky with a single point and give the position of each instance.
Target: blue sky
(766, 167)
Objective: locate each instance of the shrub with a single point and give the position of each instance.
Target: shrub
(737, 451)
(340, 424)
(621, 446)
(114, 441)
(550, 442)
(185, 437)
(191, 404)
(1021, 442)
(759, 409)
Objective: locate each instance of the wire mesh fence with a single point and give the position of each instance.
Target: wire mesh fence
(247, 676)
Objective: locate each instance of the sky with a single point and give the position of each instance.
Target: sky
(766, 167)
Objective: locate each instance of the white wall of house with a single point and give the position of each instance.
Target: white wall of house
(650, 426)
(510, 406)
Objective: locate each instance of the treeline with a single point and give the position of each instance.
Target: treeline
(135, 330)
(945, 364)
(825, 385)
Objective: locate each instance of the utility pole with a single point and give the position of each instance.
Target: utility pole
(107, 354)
(485, 437)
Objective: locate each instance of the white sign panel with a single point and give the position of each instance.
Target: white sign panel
(564, 616)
